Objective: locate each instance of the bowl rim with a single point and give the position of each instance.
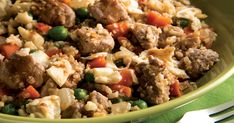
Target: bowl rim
(175, 103)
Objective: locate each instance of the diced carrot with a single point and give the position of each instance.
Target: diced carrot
(65, 1)
(30, 92)
(43, 27)
(127, 91)
(8, 50)
(126, 77)
(175, 89)
(154, 18)
(118, 29)
(52, 52)
(98, 62)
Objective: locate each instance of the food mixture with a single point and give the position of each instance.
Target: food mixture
(92, 58)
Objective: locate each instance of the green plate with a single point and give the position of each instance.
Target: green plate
(221, 17)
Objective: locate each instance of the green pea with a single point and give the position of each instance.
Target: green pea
(80, 93)
(140, 103)
(82, 13)
(89, 77)
(9, 109)
(58, 33)
(184, 22)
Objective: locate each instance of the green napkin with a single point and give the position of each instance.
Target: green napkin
(221, 94)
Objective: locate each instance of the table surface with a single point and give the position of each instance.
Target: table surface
(221, 94)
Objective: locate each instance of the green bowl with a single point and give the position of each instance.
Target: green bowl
(221, 17)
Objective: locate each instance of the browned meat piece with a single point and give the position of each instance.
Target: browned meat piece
(4, 6)
(20, 71)
(146, 35)
(102, 103)
(203, 37)
(103, 89)
(187, 86)
(100, 100)
(49, 88)
(154, 81)
(54, 13)
(108, 11)
(191, 40)
(93, 40)
(106, 91)
(74, 111)
(197, 61)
